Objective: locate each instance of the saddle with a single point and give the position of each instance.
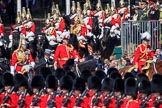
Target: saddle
(145, 67)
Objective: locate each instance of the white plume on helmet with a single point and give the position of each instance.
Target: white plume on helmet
(146, 35)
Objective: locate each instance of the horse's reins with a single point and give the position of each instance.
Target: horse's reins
(77, 70)
(154, 67)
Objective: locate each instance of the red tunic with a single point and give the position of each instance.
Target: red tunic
(62, 25)
(90, 22)
(27, 101)
(23, 30)
(142, 53)
(62, 54)
(83, 30)
(1, 29)
(14, 60)
(40, 103)
(87, 101)
(130, 104)
(12, 101)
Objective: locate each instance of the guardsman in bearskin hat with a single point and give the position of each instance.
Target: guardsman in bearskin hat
(130, 90)
(143, 52)
(22, 59)
(8, 97)
(79, 88)
(63, 53)
(156, 90)
(22, 88)
(93, 98)
(66, 83)
(51, 86)
(29, 27)
(38, 90)
(144, 96)
(119, 96)
(107, 93)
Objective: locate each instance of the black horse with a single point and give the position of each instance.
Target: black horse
(15, 43)
(108, 43)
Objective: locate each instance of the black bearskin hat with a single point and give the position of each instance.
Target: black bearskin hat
(79, 84)
(107, 84)
(156, 84)
(45, 71)
(119, 85)
(115, 75)
(8, 79)
(20, 80)
(128, 75)
(110, 70)
(130, 87)
(100, 74)
(66, 82)
(51, 82)
(94, 82)
(141, 76)
(85, 75)
(38, 82)
(144, 86)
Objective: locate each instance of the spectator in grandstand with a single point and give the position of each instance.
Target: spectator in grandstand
(135, 16)
(158, 54)
(143, 10)
(113, 63)
(46, 60)
(153, 13)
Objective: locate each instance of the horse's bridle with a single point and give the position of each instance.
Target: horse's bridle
(154, 67)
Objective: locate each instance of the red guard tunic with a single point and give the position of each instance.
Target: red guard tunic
(12, 101)
(142, 53)
(17, 55)
(1, 29)
(83, 30)
(62, 54)
(39, 104)
(31, 29)
(61, 25)
(27, 100)
(87, 101)
(130, 104)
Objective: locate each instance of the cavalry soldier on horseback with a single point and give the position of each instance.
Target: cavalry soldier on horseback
(29, 27)
(73, 13)
(16, 28)
(1, 29)
(143, 53)
(63, 53)
(22, 59)
(50, 31)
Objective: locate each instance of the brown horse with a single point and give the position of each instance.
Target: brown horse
(153, 69)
